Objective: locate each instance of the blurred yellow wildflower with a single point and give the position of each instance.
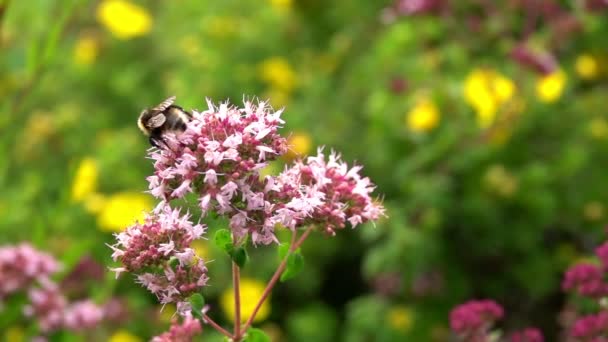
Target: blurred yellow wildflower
(94, 203)
(124, 19)
(39, 127)
(123, 336)
(278, 98)
(86, 50)
(278, 72)
(593, 211)
(423, 117)
(549, 88)
(587, 66)
(501, 181)
(14, 334)
(167, 312)
(400, 318)
(251, 291)
(300, 144)
(122, 209)
(222, 26)
(282, 5)
(486, 90)
(190, 45)
(201, 247)
(85, 180)
(598, 128)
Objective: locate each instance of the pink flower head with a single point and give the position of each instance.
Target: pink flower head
(586, 279)
(221, 145)
(21, 266)
(158, 251)
(472, 320)
(327, 193)
(181, 332)
(82, 316)
(591, 327)
(527, 335)
(602, 254)
(47, 306)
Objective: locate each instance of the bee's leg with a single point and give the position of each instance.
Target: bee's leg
(155, 142)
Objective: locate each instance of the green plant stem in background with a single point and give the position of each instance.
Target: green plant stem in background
(277, 275)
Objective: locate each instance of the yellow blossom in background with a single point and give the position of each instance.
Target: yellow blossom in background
(124, 19)
(124, 336)
(550, 88)
(278, 98)
(423, 117)
(94, 203)
(167, 312)
(123, 209)
(587, 66)
(278, 72)
(85, 180)
(299, 144)
(593, 211)
(14, 334)
(486, 90)
(400, 318)
(201, 247)
(251, 291)
(498, 179)
(282, 5)
(222, 26)
(86, 50)
(598, 128)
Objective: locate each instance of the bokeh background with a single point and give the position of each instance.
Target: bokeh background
(484, 124)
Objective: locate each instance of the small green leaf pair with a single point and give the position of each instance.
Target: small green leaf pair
(223, 239)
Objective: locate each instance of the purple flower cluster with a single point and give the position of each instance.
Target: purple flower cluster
(591, 328)
(472, 320)
(181, 332)
(219, 156)
(158, 251)
(527, 335)
(21, 266)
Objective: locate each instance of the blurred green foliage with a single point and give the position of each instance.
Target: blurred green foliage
(490, 193)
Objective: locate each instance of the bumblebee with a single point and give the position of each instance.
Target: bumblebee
(165, 117)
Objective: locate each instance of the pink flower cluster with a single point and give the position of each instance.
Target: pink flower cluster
(21, 266)
(219, 156)
(591, 328)
(25, 269)
(158, 251)
(527, 335)
(472, 320)
(587, 279)
(185, 331)
(325, 193)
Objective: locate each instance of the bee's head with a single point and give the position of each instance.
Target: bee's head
(150, 119)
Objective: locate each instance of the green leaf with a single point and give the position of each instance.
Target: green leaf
(197, 301)
(295, 264)
(256, 335)
(283, 250)
(239, 256)
(223, 239)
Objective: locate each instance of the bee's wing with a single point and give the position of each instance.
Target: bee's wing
(157, 121)
(165, 104)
